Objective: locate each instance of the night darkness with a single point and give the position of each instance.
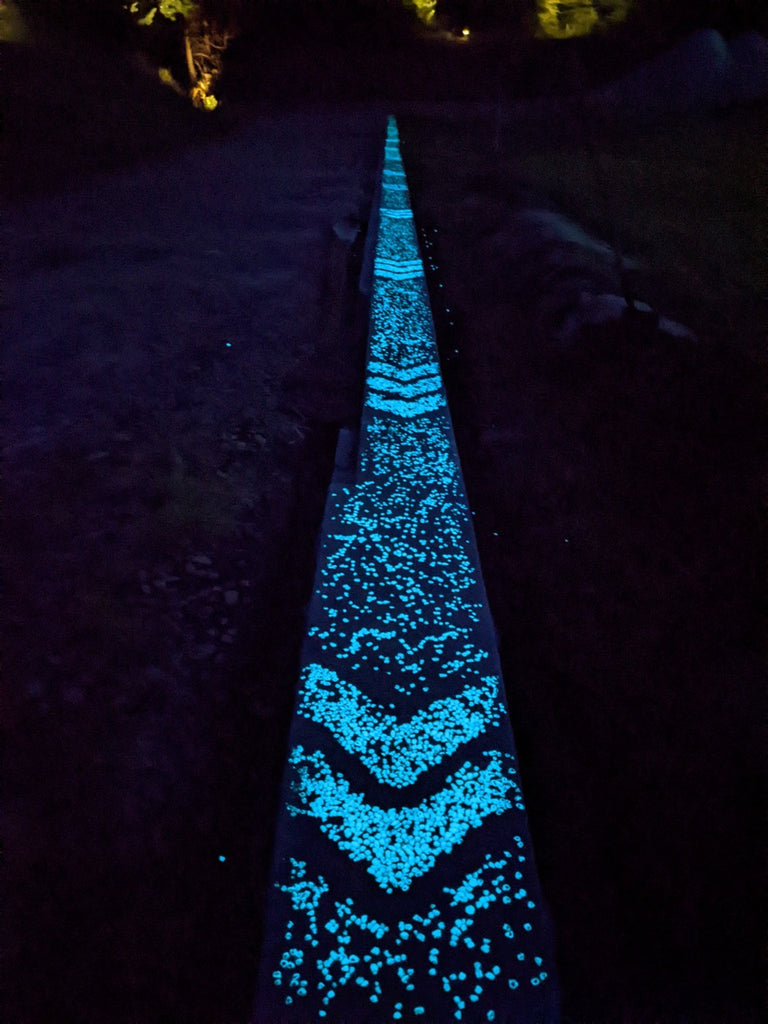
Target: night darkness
(188, 202)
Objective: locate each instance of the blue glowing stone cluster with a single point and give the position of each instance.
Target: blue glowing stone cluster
(404, 887)
(397, 752)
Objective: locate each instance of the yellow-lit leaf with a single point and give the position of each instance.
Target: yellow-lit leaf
(425, 9)
(564, 19)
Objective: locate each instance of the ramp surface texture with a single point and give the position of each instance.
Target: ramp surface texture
(404, 886)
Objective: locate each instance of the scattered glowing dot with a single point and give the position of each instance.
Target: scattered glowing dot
(398, 611)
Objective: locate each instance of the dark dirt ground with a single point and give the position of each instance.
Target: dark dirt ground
(616, 495)
(161, 507)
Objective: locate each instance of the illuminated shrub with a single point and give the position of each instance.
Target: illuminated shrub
(170, 9)
(205, 41)
(425, 9)
(563, 19)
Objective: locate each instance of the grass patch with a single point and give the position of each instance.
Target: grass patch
(688, 200)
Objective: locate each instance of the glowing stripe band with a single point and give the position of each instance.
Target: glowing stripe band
(421, 387)
(404, 887)
(402, 374)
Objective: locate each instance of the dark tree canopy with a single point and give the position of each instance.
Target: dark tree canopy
(726, 15)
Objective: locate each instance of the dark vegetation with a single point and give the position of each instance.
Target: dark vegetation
(84, 94)
(616, 491)
(617, 498)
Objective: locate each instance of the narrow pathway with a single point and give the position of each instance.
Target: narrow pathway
(404, 885)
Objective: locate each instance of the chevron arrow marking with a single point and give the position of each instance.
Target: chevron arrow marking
(424, 386)
(401, 374)
(397, 269)
(397, 214)
(397, 752)
(401, 844)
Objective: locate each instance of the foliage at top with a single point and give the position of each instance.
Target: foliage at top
(560, 20)
(170, 9)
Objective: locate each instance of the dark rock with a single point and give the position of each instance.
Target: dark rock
(692, 76)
